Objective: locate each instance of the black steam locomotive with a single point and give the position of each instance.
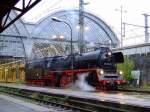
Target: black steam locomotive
(57, 71)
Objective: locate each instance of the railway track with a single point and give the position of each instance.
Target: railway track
(125, 91)
(51, 102)
(69, 103)
(137, 91)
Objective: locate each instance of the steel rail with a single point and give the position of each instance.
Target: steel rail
(75, 104)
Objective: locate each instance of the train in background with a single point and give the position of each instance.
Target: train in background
(13, 72)
(100, 65)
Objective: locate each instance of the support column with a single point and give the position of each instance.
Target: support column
(146, 28)
(81, 25)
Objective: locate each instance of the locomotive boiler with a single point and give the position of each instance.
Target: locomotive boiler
(57, 71)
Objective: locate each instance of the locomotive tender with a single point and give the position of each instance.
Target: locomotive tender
(57, 72)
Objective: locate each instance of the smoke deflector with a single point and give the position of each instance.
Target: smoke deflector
(118, 57)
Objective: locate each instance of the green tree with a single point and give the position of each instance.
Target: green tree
(126, 67)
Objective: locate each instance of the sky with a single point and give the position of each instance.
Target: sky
(106, 10)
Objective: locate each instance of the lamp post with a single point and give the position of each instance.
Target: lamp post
(59, 20)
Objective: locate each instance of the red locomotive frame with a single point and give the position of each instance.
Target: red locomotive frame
(67, 78)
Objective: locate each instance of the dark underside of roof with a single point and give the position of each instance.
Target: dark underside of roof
(6, 6)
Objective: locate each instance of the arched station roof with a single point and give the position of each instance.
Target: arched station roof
(96, 30)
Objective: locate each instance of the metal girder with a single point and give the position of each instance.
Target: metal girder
(7, 5)
(38, 38)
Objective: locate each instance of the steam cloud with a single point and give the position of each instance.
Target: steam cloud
(82, 84)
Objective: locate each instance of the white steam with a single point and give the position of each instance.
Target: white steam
(82, 84)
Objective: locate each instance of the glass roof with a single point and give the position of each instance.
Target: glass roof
(105, 9)
(95, 29)
(46, 7)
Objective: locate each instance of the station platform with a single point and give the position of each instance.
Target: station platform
(10, 104)
(140, 100)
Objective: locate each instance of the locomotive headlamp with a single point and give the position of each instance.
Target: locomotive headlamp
(101, 72)
(120, 72)
(109, 53)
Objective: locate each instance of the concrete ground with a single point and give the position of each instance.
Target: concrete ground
(10, 104)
